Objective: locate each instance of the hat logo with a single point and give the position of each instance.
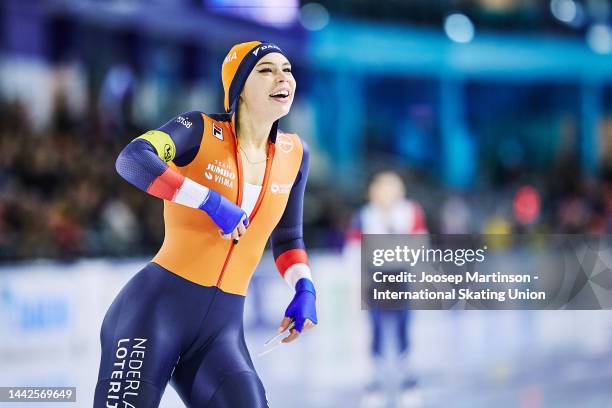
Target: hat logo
(264, 47)
(230, 57)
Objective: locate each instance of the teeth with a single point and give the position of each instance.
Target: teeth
(282, 94)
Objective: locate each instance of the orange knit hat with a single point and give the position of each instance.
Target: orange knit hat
(237, 66)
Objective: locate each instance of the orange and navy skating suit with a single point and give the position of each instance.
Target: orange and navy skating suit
(192, 248)
(180, 318)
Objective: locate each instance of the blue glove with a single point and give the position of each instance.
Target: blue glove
(223, 212)
(303, 305)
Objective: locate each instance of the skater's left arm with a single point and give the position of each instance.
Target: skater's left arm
(291, 258)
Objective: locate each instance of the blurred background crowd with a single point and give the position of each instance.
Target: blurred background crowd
(501, 143)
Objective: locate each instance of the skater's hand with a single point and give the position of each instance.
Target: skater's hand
(238, 231)
(293, 333)
(302, 310)
(228, 216)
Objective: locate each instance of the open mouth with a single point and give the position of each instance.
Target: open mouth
(280, 96)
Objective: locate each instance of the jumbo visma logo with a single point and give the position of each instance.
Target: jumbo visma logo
(220, 173)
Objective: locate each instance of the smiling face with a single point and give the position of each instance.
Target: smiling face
(269, 89)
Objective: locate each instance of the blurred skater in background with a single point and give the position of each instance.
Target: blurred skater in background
(388, 211)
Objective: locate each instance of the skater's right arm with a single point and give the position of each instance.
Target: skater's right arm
(144, 164)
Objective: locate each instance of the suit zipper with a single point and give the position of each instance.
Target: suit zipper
(239, 203)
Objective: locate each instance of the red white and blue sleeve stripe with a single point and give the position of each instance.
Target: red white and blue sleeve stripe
(287, 238)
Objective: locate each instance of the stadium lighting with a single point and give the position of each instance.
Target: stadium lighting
(459, 28)
(275, 13)
(599, 38)
(564, 10)
(314, 16)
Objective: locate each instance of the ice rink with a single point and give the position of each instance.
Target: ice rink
(50, 316)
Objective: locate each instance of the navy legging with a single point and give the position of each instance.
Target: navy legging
(399, 319)
(162, 327)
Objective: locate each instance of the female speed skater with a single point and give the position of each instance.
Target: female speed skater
(229, 183)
